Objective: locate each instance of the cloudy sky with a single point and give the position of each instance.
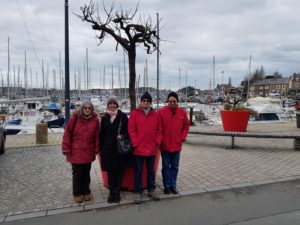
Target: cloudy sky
(193, 32)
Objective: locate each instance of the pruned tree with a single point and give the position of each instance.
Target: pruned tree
(120, 25)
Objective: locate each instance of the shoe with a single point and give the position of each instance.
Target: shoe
(111, 199)
(153, 195)
(117, 198)
(174, 190)
(138, 198)
(87, 197)
(78, 199)
(167, 191)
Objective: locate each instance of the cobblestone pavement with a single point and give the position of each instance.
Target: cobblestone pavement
(37, 181)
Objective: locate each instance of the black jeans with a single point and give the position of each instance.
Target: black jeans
(81, 179)
(115, 179)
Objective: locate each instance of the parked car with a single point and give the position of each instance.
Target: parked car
(2, 139)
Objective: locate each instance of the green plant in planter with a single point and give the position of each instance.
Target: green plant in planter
(239, 107)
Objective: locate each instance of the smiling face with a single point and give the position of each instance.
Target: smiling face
(145, 103)
(112, 106)
(87, 109)
(172, 102)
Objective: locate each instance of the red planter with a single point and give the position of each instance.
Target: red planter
(128, 179)
(235, 120)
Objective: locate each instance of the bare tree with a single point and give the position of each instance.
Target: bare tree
(119, 24)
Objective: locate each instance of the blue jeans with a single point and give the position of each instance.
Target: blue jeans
(170, 165)
(138, 171)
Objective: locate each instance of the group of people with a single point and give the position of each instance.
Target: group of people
(149, 131)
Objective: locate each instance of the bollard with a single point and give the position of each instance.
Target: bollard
(298, 119)
(296, 143)
(191, 117)
(41, 133)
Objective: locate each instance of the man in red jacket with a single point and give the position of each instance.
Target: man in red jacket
(145, 136)
(175, 127)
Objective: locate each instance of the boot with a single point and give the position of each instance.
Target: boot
(78, 199)
(153, 195)
(117, 195)
(138, 198)
(87, 197)
(111, 197)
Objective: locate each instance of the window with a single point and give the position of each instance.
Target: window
(261, 87)
(283, 87)
(277, 86)
(266, 87)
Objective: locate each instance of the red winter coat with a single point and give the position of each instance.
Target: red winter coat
(144, 132)
(82, 144)
(175, 128)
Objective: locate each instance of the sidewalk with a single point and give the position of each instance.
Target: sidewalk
(37, 181)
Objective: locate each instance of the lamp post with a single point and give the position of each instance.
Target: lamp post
(157, 91)
(67, 76)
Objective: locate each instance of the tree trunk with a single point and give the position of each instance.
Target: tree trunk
(132, 77)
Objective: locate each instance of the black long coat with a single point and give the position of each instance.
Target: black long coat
(110, 159)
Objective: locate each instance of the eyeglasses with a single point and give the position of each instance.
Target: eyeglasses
(145, 100)
(172, 101)
(87, 107)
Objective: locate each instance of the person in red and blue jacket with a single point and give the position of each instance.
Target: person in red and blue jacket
(145, 136)
(175, 127)
(80, 145)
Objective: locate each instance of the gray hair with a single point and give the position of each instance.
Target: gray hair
(83, 104)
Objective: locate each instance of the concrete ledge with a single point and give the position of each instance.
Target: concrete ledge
(193, 192)
(65, 210)
(243, 185)
(25, 216)
(218, 188)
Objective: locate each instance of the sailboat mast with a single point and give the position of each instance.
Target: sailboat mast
(249, 74)
(186, 87)
(8, 69)
(124, 74)
(214, 73)
(87, 69)
(120, 85)
(25, 75)
(104, 77)
(112, 80)
(179, 80)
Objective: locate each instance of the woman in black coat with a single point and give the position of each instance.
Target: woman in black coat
(111, 161)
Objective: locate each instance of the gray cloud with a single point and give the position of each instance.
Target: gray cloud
(193, 32)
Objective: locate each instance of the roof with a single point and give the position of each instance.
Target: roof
(284, 80)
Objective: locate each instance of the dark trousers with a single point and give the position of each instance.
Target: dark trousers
(138, 171)
(115, 179)
(170, 165)
(81, 179)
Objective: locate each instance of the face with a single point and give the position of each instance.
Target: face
(87, 109)
(173, 102)
(145, 103)
(112, 106)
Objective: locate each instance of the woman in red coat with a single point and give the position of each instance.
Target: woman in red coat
(80, 145)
